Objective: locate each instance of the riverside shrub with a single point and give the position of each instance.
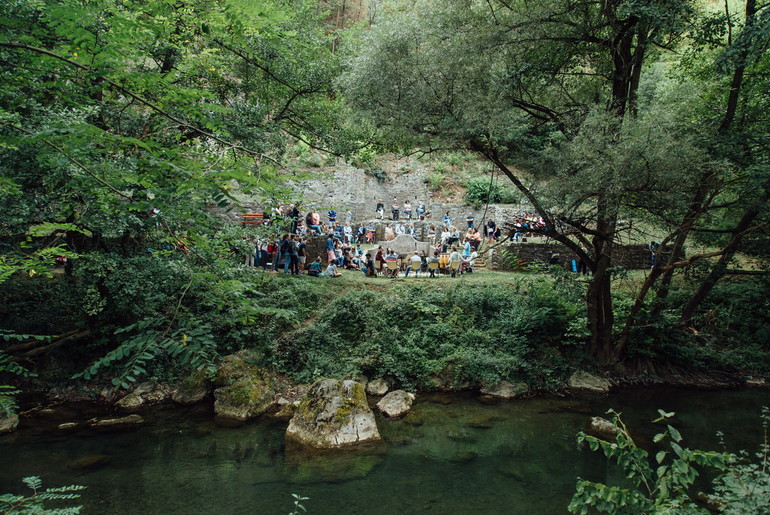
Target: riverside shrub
(467, 334)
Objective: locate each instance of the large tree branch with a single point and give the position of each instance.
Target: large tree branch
(182, 123)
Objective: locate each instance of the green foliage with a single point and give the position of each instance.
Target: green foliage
(664, 484)
(35, 504)
(481, 190)
(464, 334)
(436, 180)
(298, 506)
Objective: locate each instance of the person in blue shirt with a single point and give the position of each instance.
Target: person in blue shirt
(332, 214)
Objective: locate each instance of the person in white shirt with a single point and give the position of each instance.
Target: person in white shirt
(415, 262)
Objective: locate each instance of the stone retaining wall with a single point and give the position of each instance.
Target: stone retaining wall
(518, 256)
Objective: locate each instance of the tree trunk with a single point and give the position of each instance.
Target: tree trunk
(721, 267)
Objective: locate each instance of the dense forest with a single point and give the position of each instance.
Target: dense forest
(128, 128)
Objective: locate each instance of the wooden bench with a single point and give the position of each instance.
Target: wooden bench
(252, 219)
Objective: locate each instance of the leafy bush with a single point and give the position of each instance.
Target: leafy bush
(481, 190)
(666, 486)
(436, 180)
(466, 334)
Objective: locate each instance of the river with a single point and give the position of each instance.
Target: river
(451, 454)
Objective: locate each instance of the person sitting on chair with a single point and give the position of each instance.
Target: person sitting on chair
(415, 263)
(433, 264)
(455, 257)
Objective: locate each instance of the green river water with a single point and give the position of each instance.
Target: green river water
(451, 454)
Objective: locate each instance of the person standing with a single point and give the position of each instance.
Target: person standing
(286, 253)
(348, 216)
(330, 255)
(301, 254)
(294, 215)
(295, 254)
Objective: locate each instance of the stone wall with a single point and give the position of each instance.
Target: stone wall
(347, 187)
(517, 256)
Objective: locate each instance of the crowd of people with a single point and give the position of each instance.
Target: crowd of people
(453, 250)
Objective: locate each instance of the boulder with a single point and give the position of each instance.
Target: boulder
(153, 393)
(505, 390)
(130, 402)
(116, 424)
(144, 394)
(333, 414)
(396, 404)
(287, 410)
(8, 423)
(193, 389)
(244, 390)
(602, 428)
(582, 380)
(378, 387)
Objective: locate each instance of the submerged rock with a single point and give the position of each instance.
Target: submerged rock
(505, 390)
(193, 388)
(244, 390)
(396, 404)
(378, 387)
(91, 462)
(116, 424)
(8, 423)
(304, 465)
(333, 414)
(582, 380)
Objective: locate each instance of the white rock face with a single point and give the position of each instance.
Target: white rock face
(333, 414)
(396, 404)
(582, 380)
(506, 390)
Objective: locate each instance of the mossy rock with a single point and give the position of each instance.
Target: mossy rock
(193, 388)
(245, 390)
(333, 414)
(242, 364)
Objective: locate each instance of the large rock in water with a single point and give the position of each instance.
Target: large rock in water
(192, 389)
(505, 390)
(582, 380)
(396, 404)
(333, 414)
(378, 387)
(8, 423)
(244, 390)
